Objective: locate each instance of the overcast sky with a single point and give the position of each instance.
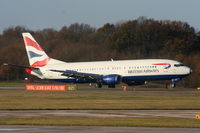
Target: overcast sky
(40, 14)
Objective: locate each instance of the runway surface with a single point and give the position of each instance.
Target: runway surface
(101, 113)
(92, 129)
(112, 89)
(131, 91)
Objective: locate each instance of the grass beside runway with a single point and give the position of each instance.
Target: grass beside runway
(36, 100)
(96, 121)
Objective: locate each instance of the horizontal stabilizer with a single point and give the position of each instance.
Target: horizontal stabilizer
(19, 66)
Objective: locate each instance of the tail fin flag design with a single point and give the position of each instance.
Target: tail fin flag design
(36, 55)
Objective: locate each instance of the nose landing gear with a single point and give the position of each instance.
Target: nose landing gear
(173, 82)
(170, 85)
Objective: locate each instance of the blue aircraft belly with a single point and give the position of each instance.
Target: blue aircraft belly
(127, 78)
(152, 77)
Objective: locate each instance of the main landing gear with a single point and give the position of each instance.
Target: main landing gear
(98, 85)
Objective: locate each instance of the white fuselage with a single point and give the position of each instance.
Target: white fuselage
(146, 69)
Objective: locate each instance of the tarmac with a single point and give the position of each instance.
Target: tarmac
(92, 129)
(101, 113)
(112, 89)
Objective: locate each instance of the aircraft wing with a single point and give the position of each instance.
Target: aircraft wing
(79, 75)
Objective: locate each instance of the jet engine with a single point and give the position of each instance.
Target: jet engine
(111, 79)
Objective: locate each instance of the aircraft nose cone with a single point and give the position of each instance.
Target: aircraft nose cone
(190, 70)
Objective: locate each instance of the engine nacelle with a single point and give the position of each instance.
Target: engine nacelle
(111, 79)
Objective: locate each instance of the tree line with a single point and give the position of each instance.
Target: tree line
(135, 39)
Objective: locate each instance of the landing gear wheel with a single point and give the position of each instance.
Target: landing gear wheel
(172, 85)
(98, 85)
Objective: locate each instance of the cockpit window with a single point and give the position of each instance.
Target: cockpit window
(178, 65)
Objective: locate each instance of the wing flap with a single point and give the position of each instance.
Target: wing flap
(79, 75)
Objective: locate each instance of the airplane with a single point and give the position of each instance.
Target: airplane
(111, 73)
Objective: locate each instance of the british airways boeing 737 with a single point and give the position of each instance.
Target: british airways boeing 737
(130, 72)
